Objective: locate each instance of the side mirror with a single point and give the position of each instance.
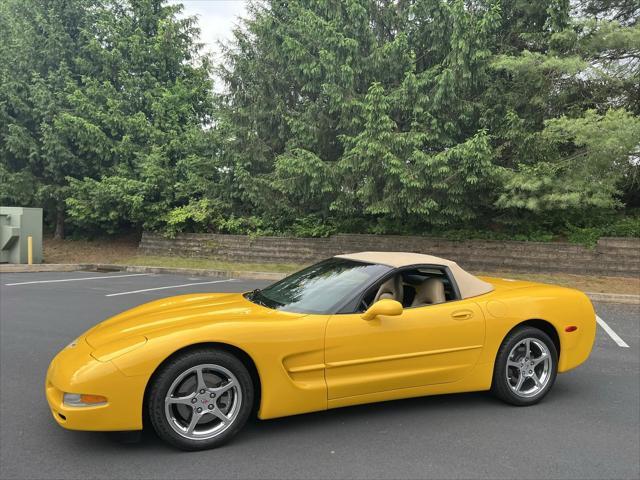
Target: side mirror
(385, 308)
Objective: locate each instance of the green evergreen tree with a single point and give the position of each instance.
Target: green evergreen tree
(42, 64)
(104, 106)
(392, 116)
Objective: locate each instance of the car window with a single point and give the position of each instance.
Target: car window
(411, 278)
(320, 288)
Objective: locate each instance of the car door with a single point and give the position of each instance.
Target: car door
(422, 346)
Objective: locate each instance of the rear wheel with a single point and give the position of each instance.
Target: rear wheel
(200, 399)
(526, 367)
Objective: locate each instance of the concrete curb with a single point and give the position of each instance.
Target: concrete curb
(614, 298)
(243, 275)
(106, 267)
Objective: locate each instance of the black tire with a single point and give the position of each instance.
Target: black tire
(172, 371)
(503, 386)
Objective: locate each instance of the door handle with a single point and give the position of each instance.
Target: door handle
(462, 314)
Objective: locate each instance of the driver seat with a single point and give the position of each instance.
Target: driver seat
(391, 289)
(429, 292)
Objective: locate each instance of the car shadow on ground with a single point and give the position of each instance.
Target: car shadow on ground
(403, 411)
(394, 414)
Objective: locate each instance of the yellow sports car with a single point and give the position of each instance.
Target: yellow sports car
(357, 328)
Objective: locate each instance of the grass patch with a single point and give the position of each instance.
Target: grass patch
(209, 264)
(124, 251)
(622, 285)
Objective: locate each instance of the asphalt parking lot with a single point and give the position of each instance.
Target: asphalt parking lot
(587, 427)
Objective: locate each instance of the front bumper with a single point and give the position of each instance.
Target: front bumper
(74, 370)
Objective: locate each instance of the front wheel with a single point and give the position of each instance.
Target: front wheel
(200, 399)
(526, 367)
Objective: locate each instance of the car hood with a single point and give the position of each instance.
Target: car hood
(183, 310)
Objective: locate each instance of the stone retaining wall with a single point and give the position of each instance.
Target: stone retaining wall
(611, 257)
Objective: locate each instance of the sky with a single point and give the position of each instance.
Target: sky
(216, 19)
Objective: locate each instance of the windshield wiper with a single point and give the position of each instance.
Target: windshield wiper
(254, 297)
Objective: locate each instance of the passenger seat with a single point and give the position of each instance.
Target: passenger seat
(429, 292)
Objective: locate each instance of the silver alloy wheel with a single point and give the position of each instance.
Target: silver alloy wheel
(528, 367)
(203, 401)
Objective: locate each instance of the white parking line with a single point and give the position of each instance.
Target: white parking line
(616, 338)
(78, 279)
(164, 288)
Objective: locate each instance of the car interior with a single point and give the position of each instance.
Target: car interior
(415, 287)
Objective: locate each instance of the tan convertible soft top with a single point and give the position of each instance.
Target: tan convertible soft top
(469, 285)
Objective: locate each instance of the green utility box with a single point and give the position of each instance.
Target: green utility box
(17, 224)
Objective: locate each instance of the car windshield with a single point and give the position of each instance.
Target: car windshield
(320, 288)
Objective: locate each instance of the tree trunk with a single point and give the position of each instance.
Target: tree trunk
(59, 233)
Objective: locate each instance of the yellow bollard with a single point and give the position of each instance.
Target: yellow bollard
(30, 250)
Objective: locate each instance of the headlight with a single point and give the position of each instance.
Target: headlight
(83, 400)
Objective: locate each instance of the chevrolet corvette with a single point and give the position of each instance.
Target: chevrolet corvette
(352, 329)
